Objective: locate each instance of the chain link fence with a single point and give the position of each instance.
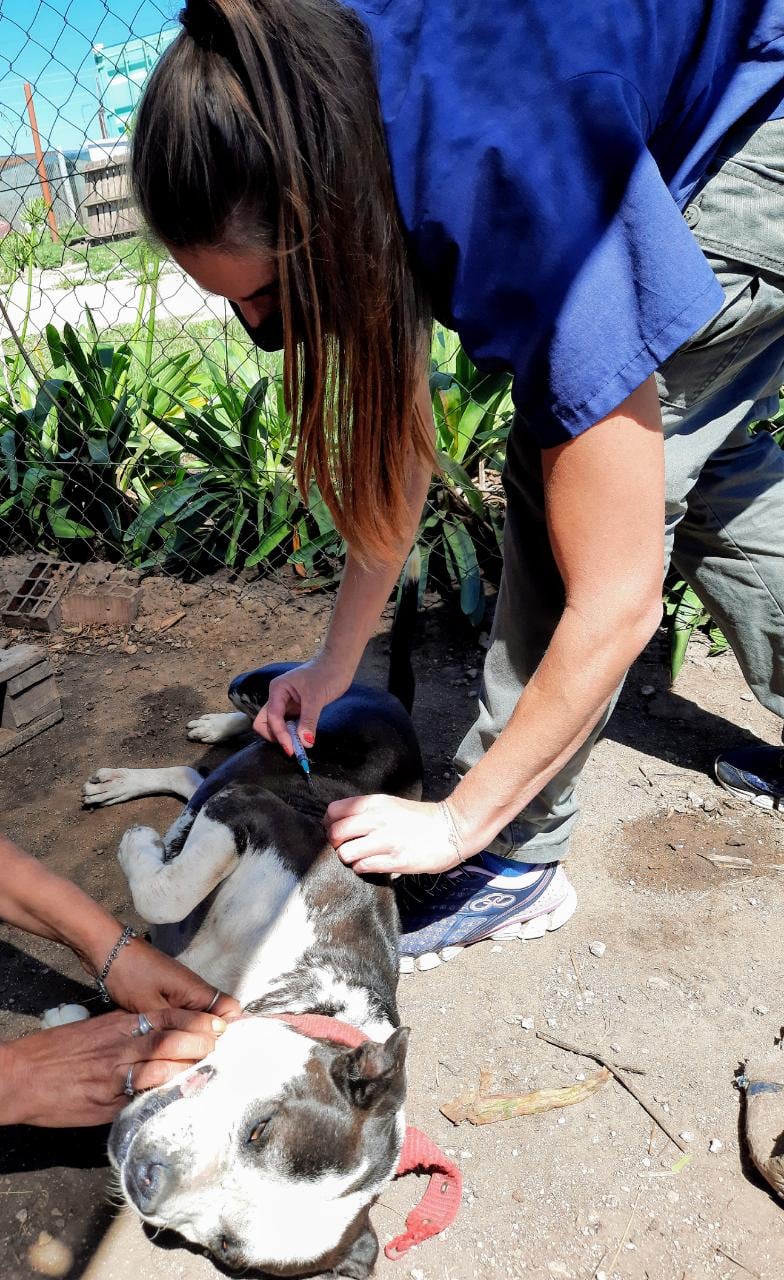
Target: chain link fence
(138, 424)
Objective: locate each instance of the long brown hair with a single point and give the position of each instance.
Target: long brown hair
(260, 127)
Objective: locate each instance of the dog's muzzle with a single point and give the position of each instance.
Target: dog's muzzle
(149, 1182)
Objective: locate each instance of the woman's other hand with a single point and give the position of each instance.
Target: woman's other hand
(142, 977)
(76, 1075)
(382, 834)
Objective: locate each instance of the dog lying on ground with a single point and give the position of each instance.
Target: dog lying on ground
(270, 1152)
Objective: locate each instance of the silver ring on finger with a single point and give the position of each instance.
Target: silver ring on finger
(214, 1000)
(144, 1027)
(128, 1088)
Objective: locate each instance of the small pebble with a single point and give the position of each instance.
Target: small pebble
(527, 1024)
(715, 1145)
(761, 1009)
(686, 1137)
(50, 1257)
(597, 949)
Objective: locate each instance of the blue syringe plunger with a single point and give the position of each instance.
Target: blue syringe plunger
(300, 753)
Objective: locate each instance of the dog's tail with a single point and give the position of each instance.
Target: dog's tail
(401, 674)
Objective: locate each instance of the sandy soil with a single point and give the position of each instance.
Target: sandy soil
(689, 985)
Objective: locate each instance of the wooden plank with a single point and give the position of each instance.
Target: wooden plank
(33, 675)
(10, 739)
(18, 658)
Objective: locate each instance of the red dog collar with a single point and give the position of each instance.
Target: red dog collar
(439, 1205)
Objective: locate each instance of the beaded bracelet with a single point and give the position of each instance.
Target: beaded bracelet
(125, 937)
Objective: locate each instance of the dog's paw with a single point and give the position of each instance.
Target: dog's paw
(108, 786)
(140, 853)
(217, 726)
(63, 1014)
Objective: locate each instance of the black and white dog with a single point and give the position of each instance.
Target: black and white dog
(271, 1151)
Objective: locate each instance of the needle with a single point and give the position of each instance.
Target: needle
(300, 753)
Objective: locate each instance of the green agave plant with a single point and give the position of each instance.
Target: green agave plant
(59, 456)
(233, 498)
(687, 615)
(472, 413)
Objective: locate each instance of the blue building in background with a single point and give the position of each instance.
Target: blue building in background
(122, 71)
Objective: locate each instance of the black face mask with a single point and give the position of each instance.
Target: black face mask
(268, 335)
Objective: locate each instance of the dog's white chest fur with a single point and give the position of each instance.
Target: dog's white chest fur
(257, 928)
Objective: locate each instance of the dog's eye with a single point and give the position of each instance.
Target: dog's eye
(258, 1130)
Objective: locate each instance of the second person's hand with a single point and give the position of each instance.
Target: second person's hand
(383, 834)
(76, 1075)
(301, 694)
(143, 978)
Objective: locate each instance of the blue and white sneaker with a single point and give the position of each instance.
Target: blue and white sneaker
(753, 773)
(485, 897)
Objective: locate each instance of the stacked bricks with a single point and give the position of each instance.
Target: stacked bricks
(29, 700)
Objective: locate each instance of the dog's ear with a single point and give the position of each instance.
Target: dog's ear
(360, 1256)
(374, 1073)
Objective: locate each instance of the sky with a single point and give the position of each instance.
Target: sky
(49, 43)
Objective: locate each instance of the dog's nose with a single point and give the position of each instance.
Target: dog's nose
(229, 1253)
(147, 1179)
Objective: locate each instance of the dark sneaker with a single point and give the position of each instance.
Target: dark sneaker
(753, 773)
(485, 897)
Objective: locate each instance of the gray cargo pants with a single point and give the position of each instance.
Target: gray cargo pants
(724, 488)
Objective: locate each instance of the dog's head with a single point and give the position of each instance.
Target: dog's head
(270, 1151)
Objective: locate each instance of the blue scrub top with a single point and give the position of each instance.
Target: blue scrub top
(542, 152)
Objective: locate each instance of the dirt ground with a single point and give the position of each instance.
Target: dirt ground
(689, 986)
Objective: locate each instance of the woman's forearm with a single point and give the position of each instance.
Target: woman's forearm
(35, 899)
(557, 710)
(604, 496)
(10, 1100)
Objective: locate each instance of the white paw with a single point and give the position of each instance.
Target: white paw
(63, 1014)
(216, 726)
(140, 852)
(108, 786)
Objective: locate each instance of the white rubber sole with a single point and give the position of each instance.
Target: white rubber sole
(526, 931)
(761, 801)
